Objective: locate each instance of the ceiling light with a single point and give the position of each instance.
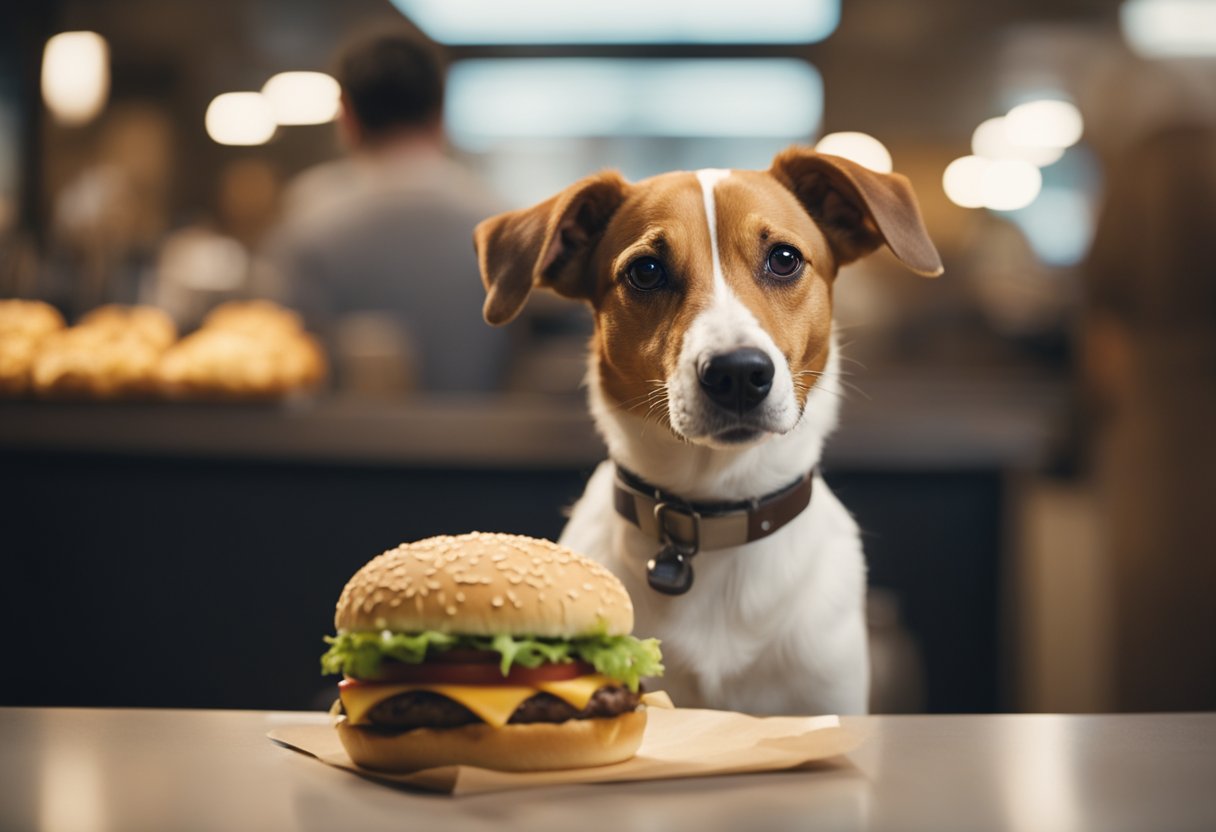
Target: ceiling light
(302, 97)
(75, 76)
(239, 118)
(862, 148)
(999, 185)
(963, 181)
(991, 140)
(624, 21)
(1170, 28)
(1044, 123)
(494, 100)
(1009, 184)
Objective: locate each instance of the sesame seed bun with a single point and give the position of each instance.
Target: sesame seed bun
(542, 746)
(482, 584)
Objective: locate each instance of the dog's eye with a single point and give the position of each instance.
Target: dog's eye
(784, 261)
(646, 274)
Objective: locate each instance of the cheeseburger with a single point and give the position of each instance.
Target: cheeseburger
(491, 650)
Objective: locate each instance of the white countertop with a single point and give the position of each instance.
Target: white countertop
(91, 770)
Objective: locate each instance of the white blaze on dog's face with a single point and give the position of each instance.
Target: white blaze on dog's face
(711, 290)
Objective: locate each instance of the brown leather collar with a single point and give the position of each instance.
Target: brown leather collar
(697, 526)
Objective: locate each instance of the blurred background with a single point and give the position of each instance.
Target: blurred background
(1027, 442)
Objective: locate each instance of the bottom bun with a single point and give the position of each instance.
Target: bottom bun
(537, 746)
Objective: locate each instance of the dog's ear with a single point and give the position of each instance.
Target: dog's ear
(546, 245)
(857, 208)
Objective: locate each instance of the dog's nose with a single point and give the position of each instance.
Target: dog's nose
(738, 380)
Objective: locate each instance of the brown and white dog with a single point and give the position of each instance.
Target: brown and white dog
(712, 297)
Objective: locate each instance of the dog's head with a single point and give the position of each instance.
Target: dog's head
(712, 291)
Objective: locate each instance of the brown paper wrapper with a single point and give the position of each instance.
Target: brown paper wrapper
(679, 742)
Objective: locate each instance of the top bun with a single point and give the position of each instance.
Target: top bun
(482, 585)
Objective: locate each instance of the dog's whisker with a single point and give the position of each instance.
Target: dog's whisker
(629, 403)
(655, 410)
(837, 377)
(822, 373)
(638, 401)
(855, 389)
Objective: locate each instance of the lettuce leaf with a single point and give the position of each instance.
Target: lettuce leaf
(623, 658)
(359, 654)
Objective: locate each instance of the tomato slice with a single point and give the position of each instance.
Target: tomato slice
(472, 673)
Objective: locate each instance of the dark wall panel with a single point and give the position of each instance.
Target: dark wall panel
(206, 583)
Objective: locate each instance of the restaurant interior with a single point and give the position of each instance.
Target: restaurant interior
(1026, 442)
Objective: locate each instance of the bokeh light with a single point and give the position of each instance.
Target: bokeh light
(861, 148)
(239, 118)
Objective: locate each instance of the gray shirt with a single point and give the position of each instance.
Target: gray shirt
(393, 235)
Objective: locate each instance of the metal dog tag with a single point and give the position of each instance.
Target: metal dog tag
(670, 571)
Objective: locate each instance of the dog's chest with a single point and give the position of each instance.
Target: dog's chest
(761, 629)
(727, 642)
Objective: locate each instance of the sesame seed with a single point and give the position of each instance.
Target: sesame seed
(450, 609)
(460, 597)
(496, 601)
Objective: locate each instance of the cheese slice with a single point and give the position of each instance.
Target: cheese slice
(494, 704)
(577, 691)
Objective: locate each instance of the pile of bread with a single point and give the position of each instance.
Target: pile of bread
(244, 350)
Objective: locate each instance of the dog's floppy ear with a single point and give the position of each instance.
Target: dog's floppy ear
(857, 208)
(545, 245)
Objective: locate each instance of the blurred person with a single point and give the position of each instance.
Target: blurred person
(1150, 366)
(247, 200)
(211, 260)
(110, 211)
(380, 243)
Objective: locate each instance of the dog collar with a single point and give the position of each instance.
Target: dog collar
(684, 527)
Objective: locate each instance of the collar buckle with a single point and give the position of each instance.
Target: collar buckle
(689, 545)
(684, 528)
(670, 571)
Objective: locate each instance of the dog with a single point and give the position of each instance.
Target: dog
(714, 380)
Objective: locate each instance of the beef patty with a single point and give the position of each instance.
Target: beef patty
(423, 709)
